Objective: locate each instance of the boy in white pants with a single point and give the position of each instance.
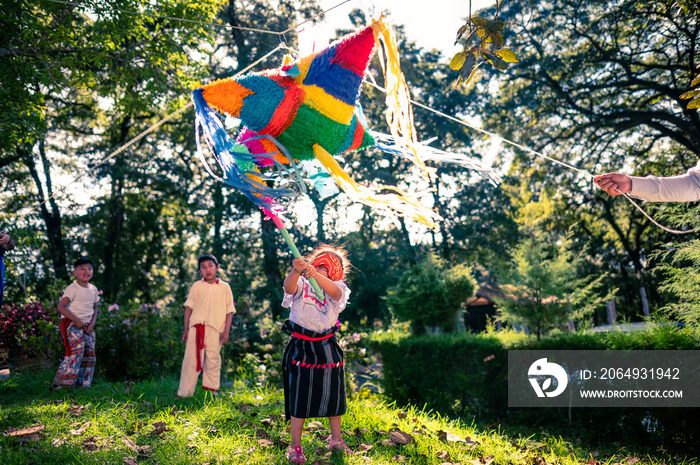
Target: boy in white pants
(208, 312)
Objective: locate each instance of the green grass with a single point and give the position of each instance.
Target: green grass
(118, 423)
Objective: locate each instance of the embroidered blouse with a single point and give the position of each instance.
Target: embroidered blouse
(307, 311)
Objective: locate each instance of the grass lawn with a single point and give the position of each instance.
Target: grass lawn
(143, 423)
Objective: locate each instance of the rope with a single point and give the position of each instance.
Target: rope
(444, 115)
(148, 131)
(208, 23)
(543, 156)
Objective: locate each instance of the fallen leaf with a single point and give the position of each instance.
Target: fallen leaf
(261, 433)
(380, 431)
(81, 430)
(24, 431)
(58, 442)
(470, 441)
(487, 460)
(489, 358)
(314, 425)
(446, 436)
(398, 458)
(630, 459)
(386, 442)
(401, 415)
(76, 410)
(267, 422)
(90, 444)
(365, 447)
(360, 432)
(131, 445)
(159, 427)
(130, 462)
(399, 437)
(245, 408)
(265, 442)
(444, 455)
(128, 386)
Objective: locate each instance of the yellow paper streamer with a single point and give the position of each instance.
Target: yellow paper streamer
(399, 114)
(400, 202)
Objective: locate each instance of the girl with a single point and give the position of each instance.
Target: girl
(312, 367)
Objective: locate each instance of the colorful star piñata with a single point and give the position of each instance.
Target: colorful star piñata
(302, 114)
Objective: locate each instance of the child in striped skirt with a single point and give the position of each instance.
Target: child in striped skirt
(312, 367)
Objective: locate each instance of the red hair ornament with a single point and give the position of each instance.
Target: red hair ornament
(332, 264)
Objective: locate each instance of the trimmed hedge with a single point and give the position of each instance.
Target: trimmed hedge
(466, 376)
(447, 373)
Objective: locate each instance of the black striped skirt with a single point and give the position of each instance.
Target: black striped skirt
(313, 373)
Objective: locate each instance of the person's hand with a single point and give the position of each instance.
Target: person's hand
(80, 325)
(311, 272)
(223, 339)
(184, 336)
(304, 268)
(5, 239)
(89, 329)
(614, 183)
(300, 265)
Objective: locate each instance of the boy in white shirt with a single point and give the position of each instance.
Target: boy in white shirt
(209, 309)
(78, 309)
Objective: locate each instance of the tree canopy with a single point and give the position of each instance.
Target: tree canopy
(599, 85)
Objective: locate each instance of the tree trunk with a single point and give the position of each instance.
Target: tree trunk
(115, 221)
(115, 226)
(410, 251)
(217, 248)
(320, 206)
(445, 244)
(52, 218)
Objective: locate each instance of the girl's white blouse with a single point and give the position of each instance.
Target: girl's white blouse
(307, 311)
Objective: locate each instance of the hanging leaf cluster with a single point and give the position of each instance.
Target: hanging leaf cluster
(693, 95)
(488, 47)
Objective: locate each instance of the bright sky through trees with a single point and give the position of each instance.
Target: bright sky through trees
(431, 24)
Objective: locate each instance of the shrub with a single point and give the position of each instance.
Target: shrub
(453, 374)
(355, 356)
(255, 352)
(543, 291)
(467, 375)
(138, 342)
(29, 331)
(429, 294)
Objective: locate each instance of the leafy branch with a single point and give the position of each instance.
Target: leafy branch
(693, 95)
(489, 46)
